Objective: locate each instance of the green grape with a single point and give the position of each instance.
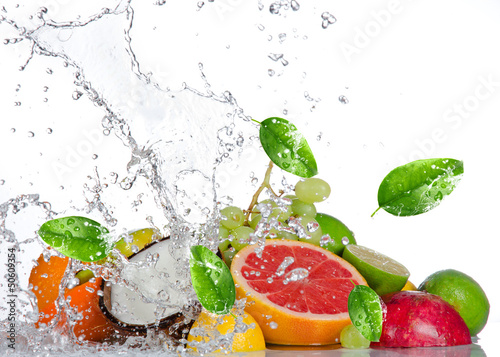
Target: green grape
(228, 255)
(255, 220)
(223, 238)
(232, 217)
(286, 235)
(240, 237)
(350, 337)
(312, 190)
(312, 229)
(302, 209)
(277, 211)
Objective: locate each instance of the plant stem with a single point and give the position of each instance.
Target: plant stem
(265, 184)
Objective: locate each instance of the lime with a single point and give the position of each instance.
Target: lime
(339, 234)
(383, 274)
(463, 293)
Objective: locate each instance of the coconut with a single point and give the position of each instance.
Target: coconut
(149, 296)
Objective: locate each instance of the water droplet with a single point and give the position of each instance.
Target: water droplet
(270, 72)
(273, 325)
(49, 71)
(312, 226)
(328, 19)
(294, 5)
(13, 130)
(438, 196)
(261, 27)
(343, 99)
(2, 182)
(31, 134)
(295, 275)
(345, 240)
(77, 95)
(70, 221)
(275, 56)
(49, 130)
(94, 157)
(274, 8)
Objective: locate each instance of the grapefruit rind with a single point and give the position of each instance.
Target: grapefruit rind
(287, 325)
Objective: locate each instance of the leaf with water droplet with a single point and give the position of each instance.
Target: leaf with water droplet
(212, 281)
(418, 186)
(279, 137)
(77, 237)
(365, 311)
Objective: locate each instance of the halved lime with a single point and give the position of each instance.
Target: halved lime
(339, 234)
(383, 274)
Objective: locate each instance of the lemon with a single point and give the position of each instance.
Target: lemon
(383, 274)
(463, 293)
(409, 286)
(140, 239)
(215, 325)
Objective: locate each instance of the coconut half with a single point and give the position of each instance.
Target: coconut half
(150, 298)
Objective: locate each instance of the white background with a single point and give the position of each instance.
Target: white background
(422, 79)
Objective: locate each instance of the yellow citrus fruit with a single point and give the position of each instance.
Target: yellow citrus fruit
(140, 238)
(409, 286)
(214, 325)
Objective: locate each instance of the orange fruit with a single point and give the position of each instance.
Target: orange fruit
(94, 326)
(296, 291)
(45, 278)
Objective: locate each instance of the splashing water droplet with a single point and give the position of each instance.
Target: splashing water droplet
(295, 275)
(77, 95)
(328, 19)
(343, 99)
(285, 264)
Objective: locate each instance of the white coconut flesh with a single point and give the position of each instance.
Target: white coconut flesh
(149, 295)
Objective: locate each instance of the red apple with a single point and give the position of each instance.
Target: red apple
(420, 319)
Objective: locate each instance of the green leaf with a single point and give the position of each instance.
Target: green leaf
(287, 148)
(419, 186)
(77, 237)
(365, 311)
(212, 281)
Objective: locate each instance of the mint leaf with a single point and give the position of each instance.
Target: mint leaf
(287, 148)
(212, 281)
(77, 237)
(418, 186)
(365, 311)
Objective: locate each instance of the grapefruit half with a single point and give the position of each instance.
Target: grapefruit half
(296, 291)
